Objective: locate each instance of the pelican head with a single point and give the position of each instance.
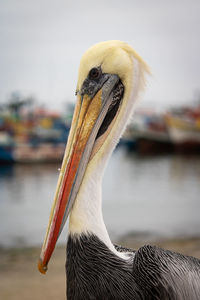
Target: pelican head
(111, 75)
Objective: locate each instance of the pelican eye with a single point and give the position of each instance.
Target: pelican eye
(95, 73)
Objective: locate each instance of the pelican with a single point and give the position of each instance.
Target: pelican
(111, 77)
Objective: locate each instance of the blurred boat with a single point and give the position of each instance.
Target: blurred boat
(184, 129)
(39, 136)
(6, 148)
(38, 154)
(149, 133)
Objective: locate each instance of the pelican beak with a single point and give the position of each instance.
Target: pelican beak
(89, 114)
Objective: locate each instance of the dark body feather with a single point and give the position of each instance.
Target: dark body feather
(94, 272)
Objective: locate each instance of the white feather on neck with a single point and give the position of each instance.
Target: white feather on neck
(86, 215)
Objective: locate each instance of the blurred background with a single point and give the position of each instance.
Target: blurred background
(158, 157)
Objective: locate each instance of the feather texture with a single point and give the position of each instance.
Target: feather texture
(95, 272)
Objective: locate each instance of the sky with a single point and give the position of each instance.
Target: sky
(42, 41)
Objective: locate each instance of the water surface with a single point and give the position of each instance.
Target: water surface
(157, 195)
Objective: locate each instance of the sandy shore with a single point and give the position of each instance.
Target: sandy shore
(19, 278)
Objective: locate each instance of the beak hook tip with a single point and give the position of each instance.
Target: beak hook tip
(41, 267)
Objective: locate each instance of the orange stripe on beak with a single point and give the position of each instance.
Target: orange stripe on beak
(85, 116)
